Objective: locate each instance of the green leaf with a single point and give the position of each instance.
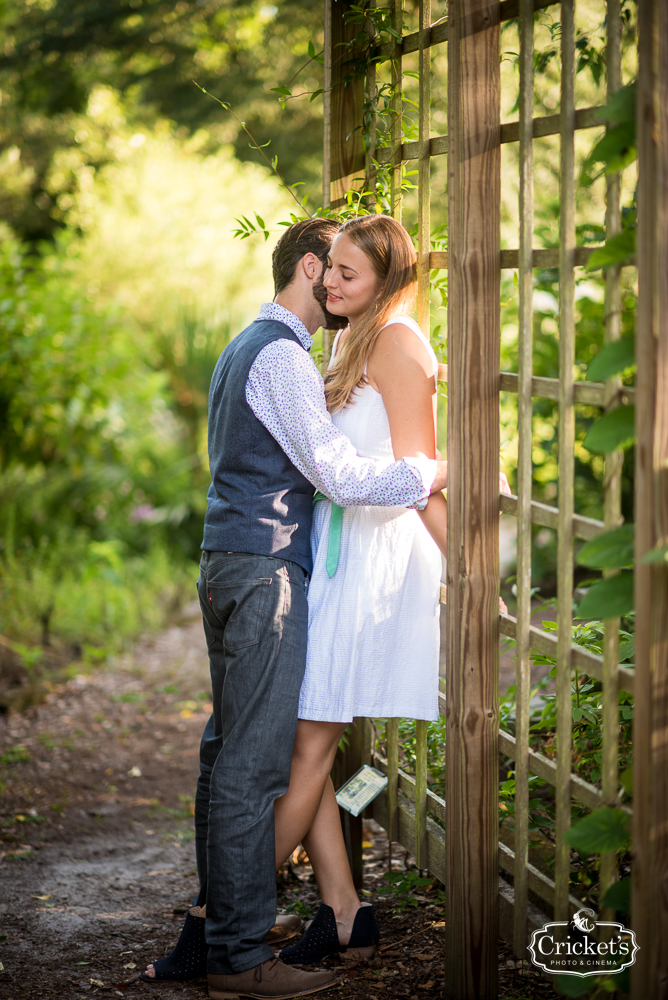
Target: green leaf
(621, 108)
(626, 779)
(618, 896)
(260, 221)
(617, 250)
(627, 649)
(574, 986)
(616, 149)
(615, 429)
(611, 359)
(659, 554)
(608, 598)
(311, 49)
(601, 831)
(609, 550)
(282, 90)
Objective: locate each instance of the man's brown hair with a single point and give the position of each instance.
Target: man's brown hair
(309, 236)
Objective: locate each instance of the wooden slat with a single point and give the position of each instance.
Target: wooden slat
(524, 477)
(581, 658)
(581, 791)
(612, 497)
(439, 32)
(548, 517)
(510, 132)
(421, 793)
(392, 732)
(438, 259)
(539, 883)
(474, 161)
(589, 393)
(649, 904)
(424, 165)
(406, 832)
(435, 804)
(566, 466)
(344, 146)
(396, 107)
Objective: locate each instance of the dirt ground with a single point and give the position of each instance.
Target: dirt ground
(97, 851)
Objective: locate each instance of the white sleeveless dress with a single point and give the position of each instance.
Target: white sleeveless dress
(373, 633)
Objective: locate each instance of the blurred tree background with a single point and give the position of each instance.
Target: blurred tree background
(120, 283)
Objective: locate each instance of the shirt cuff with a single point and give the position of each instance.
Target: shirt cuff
(426, 471)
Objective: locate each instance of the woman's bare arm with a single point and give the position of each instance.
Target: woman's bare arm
(400, 369)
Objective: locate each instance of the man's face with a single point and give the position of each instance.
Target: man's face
(330, 322)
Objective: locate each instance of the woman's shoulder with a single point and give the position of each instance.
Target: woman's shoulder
(410, 323)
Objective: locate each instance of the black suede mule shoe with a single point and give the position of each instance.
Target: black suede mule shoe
(188, 959)
(322, 938)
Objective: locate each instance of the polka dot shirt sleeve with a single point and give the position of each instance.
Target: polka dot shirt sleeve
(286, 393)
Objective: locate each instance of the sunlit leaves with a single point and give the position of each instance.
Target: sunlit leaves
(610, 550)
(611, 598)
(601, 831)
(618, 249)
(615, 429)
(612, 359)
(617, 148)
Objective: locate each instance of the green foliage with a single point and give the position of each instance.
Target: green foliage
(611, 598)
(615, 429)
(617, 250)
(613, 358)
(574, 986)
(55, 55)
(659, 554)
(403, 887)
(601, 831)
(610, 550)
(618, 896)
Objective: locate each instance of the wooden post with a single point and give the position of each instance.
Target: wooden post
(612, 500)
(396, 112)
(472, 759)
(649, 907)
(344, 103)
(524, 480)
(566, 459)
(346, 763)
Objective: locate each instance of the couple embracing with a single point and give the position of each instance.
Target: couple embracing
(319, 589)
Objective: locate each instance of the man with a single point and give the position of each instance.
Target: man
(271, 441)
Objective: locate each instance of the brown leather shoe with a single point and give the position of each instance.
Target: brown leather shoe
(270, 979)
(287, 926)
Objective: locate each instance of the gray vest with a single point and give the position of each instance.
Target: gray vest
(258, 501)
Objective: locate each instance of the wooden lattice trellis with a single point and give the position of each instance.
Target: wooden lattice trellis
(457, 838)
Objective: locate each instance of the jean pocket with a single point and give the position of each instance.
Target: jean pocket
(240, 607)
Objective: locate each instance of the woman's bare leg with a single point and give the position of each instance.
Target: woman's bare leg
(312, 759)
(326, 850)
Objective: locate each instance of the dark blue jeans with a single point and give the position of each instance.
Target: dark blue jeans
(255, 620)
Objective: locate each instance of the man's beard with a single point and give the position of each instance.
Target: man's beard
(331, 322)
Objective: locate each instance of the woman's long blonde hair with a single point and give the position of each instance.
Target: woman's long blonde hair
(392, 256)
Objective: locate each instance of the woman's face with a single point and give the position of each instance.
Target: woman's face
(351, 282)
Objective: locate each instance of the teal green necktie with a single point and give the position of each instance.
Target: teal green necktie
(334, 542)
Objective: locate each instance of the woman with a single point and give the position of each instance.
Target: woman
(373, 641)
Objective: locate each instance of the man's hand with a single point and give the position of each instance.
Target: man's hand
(503, 484)
(503, 609)
(441, 477)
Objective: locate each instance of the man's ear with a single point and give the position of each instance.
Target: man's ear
(312, 266)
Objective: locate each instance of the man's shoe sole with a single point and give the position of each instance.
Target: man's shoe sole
(227, 995)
